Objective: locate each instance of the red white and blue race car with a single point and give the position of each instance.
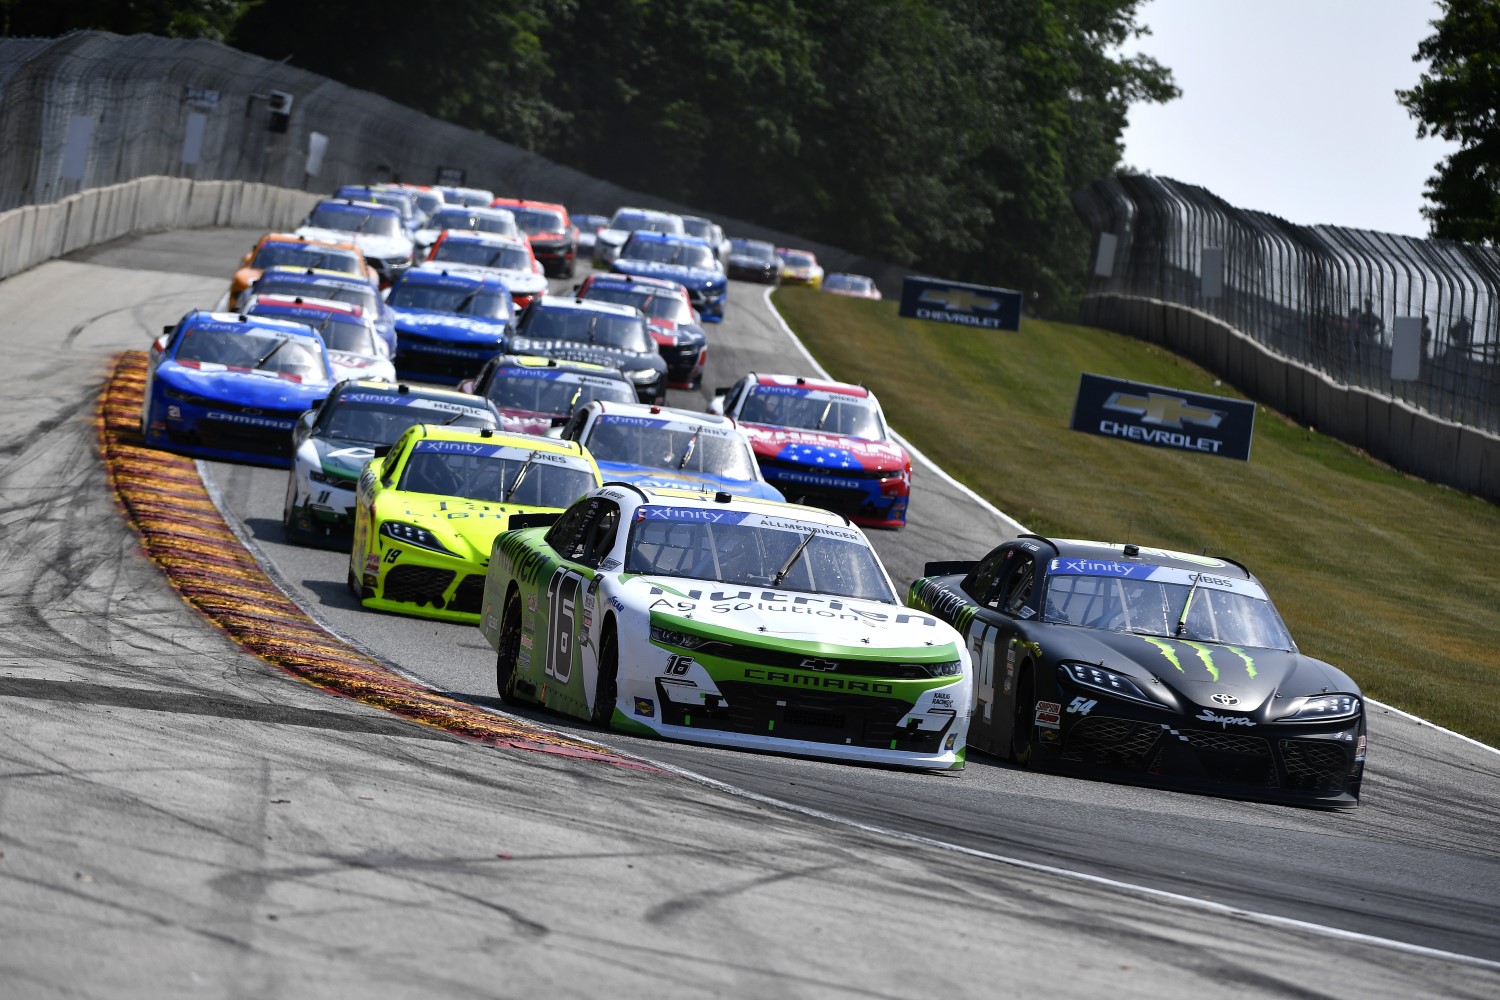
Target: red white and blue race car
(824, 444)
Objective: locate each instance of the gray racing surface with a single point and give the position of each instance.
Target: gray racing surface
(175, 817)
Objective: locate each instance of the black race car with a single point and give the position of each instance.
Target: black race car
(1147, 665)
(753, 260)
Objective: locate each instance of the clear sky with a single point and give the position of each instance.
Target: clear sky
(1288, 107)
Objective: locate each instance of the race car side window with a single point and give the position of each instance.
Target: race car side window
(980, 584)
(598, 533)
(567, 535)
(393, 461)
(735, 392)
(1017, 584)
(574, 429)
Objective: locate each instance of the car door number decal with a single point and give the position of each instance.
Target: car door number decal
(562, 597)
(678, 664)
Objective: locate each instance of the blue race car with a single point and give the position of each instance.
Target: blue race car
(322, 284)
(684, 259)
(448, 324)
(231, 387)
(662, 447)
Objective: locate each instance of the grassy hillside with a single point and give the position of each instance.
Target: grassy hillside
(1395, 580)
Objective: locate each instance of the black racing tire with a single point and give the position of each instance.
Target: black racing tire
(508, 648)
(354, 586)
(1023, 726)
(607, 685)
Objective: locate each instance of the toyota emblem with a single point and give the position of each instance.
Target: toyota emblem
(1225, 699)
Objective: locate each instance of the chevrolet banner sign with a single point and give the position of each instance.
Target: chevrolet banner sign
(966, 305)
(1166, 418)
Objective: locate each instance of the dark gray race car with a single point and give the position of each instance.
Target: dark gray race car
(1147, 665)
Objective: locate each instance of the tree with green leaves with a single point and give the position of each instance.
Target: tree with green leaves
(1456, 99)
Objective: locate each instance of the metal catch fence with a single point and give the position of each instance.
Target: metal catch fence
(1325, 296)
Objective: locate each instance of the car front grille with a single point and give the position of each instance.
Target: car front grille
(419, 585)
(470, 594)
(1318, 765)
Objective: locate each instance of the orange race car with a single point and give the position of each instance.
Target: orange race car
(275, 249)
(554, 238)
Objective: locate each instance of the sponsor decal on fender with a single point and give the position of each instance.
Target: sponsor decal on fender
(1049, 714)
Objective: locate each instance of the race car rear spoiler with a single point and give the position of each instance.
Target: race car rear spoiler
(518, 521)
(949, 567)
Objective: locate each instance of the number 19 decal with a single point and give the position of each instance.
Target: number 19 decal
(562, 596)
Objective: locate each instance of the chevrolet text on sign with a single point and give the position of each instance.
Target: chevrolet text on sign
(1164, 418)
(955, 302)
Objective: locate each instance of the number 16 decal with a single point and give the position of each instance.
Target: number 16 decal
(562, 596)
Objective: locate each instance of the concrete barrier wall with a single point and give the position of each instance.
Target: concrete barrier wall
(1411, 440)
(33, 234)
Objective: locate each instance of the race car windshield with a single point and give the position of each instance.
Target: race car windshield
(538, 220)
(665, 305)
(427, 201)
(346, 334)
(627, 333)
(701, 228)
(795, 259)
(680, 254)
(683, 448)
(490, 477)
(352, 219)
(852, 416)
(375, 424)
(479, 255)
(305, 255)
(450, 218)
(446, 299)
(255, 350)
(749, 555)
(1155, 608)
(555, 396)
(752, 248)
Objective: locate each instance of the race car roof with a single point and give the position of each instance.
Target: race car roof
(308, 303)
(483, 238)
(241, 323)
(661, 414)
(351, 205)
(453, 279)
(675, 239)
(607, 278)
(368, 387)
(585, 305)
(582, 367)
(531, 442)
(1083, 549)
(523, 203)
(304, 240)
(820, 385)
(312, 275)
(654, 495)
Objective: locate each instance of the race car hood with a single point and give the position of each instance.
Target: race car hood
(347, 365)
(242, 387)
(1196, 671)
(371, 245)
(342, 460)
(466, 527)
(822, 452)
(525, 421)
(451, 327)
(516, 282)
(646, 476)
(814, 624)
(689, 277)
(572, 350)
(670, 334)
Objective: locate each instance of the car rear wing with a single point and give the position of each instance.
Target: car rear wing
(518, 521)
(949, 567)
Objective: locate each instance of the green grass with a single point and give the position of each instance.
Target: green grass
(1395, 580)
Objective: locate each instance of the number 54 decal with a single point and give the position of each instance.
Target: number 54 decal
(1082, 706)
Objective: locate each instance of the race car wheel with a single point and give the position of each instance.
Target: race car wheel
(508, 648)
(1023, 727)
(606, 688)
(354, 586)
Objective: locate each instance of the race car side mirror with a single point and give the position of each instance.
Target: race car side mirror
(382, 450)
(317, 404)
(168, 329)
(723, 390)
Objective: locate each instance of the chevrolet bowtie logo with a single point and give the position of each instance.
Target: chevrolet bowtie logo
(959, 299)
(1167, 411)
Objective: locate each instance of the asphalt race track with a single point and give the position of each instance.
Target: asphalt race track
(176, 817)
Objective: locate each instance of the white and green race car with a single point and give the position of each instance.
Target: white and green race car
(724, 620)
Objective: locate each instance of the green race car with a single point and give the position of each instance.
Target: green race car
(427, 510)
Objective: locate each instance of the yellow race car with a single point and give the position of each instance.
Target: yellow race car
(428, 508)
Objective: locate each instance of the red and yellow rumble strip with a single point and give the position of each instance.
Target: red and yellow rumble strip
(183, 532)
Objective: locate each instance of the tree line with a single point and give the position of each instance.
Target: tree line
(944, 135)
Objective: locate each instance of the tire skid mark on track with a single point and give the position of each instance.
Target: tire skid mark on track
(164, 499)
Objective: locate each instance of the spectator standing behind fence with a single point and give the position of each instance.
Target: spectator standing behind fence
(1458, 336)
(1426, 337)
(1371, 326)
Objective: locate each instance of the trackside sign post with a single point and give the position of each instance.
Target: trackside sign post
(1164, 418)
(956, 302)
